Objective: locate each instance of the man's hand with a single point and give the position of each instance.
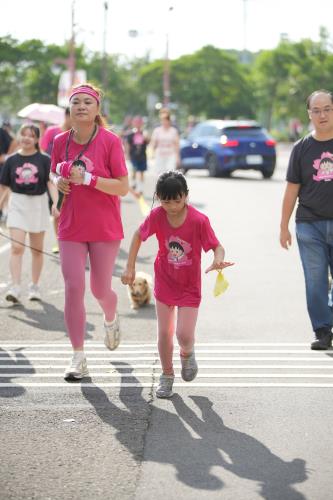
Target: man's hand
(285, 238)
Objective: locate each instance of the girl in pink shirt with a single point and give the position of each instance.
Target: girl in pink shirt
(88, 167)
(182, 232)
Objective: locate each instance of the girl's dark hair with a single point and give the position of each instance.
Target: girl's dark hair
(175, 244)
(171, 185)
(320, 91)
(34, 129)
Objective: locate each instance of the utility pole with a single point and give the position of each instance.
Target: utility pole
(71, 59)
(106, 107)
(166, 70)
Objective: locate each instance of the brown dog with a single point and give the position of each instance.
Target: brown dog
(139, 292)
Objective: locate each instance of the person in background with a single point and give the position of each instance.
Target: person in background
(182, 232)
(46, 145)
(26, 175)
(88, 167)
(136, 148)
(8, 145)
(310, 181)
(165, 144)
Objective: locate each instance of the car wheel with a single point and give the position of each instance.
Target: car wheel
(267, 174)
(213, 166)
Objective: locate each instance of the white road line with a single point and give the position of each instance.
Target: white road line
(198, 351)
(23, 358)
(200, 375)
(176, 384)
(151, 367)
(143, 344)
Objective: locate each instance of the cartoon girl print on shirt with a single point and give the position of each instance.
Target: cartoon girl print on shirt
(27, 174)
(324, 167)
(178, 250)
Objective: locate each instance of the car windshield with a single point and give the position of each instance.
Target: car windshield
(243, 131)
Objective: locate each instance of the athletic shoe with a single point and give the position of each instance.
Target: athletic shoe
(77, 368)
(55, 249)
(323, 339)
(34, 292)
(189, 367)
(13, 294)
(112, 333)
(164, 389)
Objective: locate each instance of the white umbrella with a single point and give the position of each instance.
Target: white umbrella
(49, 113)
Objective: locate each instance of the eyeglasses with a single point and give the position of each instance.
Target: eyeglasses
(318, 112)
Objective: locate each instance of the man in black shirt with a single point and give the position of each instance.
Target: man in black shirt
(309, 179)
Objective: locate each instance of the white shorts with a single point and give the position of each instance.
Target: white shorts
(164, 163)
(29, 213)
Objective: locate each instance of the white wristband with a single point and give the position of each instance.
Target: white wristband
(58, 168)
(87, 178)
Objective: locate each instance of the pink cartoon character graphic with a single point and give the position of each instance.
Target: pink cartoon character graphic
(27, 174)
(324, 167)
(178, 250)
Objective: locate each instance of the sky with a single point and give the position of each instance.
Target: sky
(187, 24)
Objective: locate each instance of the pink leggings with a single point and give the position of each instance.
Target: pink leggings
(102, 256)
(186, 321)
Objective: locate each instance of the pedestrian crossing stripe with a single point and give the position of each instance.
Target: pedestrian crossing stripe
(221, 364)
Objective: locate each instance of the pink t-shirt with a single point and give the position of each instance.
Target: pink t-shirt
(46, 141)
(88, 214)
(178, 262)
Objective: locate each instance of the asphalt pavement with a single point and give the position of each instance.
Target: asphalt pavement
(253, 425)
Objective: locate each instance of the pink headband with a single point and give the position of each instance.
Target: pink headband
(85, 90)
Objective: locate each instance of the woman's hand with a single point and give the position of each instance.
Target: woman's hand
(76, 175)
(128, 277)
(63, 185)
(218, 265)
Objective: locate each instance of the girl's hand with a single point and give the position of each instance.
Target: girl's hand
(54, 211)
(218, 265)
(128, 277)
(76, 175)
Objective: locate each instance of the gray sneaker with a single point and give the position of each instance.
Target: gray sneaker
(34, 292)
(112, 334)
(164, 389)
(77, 368)
(189, 367)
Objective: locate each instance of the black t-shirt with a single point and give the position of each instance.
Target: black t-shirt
(26, 174)
(311, 166)
(137, 146)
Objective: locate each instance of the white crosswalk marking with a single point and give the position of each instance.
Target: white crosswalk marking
(256, 364)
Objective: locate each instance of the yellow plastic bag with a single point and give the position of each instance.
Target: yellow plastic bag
(221, 284)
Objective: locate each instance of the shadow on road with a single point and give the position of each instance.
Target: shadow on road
(47, 318)
(169, 441)
(16, 359)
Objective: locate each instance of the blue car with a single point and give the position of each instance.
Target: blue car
(223, 146)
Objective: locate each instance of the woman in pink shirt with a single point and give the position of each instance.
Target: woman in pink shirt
(182, 232)
(88, 167)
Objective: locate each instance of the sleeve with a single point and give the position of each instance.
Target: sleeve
(55, 156)
(148, 227)
(47, 163)
(117, 163)
(45, 140)
(294, 167)
(5, 140)
(5, 174)
(209, 240)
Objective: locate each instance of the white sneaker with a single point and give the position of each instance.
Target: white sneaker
(189, 367)
(77, 368)
(164, 389)
(34, 292)
(112, 333)
(13, 294)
